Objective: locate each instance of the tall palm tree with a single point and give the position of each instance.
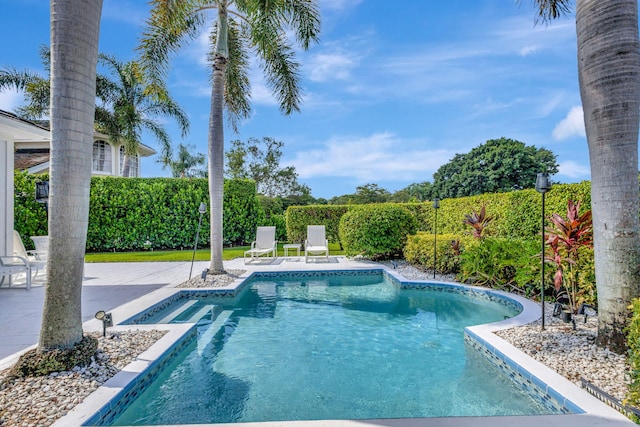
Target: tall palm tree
(75, 27)
(609, 77)
(240, 27)
(130, 105)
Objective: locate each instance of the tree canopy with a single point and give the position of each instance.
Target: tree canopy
(259, 160)
(496, 166)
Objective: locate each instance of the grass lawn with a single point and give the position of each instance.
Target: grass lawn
(201, 254)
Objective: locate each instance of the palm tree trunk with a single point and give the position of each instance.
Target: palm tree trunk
(75, 26)
(609, 73)
(216, 142)
(216, 164)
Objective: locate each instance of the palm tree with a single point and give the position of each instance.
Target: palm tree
(129, 106)
(240, 28)
(35, 87)
(185, 165)
(75, 26)
(609, 77)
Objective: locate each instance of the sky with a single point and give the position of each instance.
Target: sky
(392, 91)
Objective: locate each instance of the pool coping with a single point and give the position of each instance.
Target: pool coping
(595, 411)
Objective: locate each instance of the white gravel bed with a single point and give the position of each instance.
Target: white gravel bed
(213, 280)
(40, 401)
(33, 402)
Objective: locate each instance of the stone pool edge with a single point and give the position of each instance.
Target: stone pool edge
(481, 337)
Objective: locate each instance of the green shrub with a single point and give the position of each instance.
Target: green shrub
(633, 342)
(30, 217)
(419, 251)
(376, 231)
(508, 264)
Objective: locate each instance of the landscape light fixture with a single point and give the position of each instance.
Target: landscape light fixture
(543, 185)
(202, 209)
(42, 194)
(106, 319)
(436, 206)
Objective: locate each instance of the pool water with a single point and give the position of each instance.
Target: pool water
(338, 347)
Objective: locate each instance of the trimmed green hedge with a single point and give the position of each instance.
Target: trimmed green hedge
(147, 213)
(376, 231)
(517, 213)
(298, 217)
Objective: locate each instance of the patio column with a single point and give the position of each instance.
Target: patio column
(6, 195)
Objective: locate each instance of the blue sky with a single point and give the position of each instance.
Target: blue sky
(392, 91)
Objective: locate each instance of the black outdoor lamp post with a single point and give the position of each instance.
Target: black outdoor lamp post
(543, 185)
(202, 209)
(42, 194)
(436, 206)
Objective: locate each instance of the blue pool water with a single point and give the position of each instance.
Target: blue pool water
(334, 347)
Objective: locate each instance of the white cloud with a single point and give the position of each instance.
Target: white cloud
(574, 170)
(324, 67)
(528, 50)
(10, 99)
(572, 125)
(381, 156)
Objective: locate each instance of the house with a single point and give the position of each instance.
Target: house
(108, 158)
(25, 145)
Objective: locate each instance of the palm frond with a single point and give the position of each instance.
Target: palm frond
(549, 10)
(237, 88)
(171, 24)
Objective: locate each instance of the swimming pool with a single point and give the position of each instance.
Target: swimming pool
(286, 347)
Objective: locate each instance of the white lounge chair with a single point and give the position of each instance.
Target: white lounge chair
(10, 265)
(36, 264)
(264, 244)
(316, 243)
(42, 247)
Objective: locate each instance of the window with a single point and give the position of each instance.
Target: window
(101, 156)
(134, 163)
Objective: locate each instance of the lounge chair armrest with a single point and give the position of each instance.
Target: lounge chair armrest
(13, 260)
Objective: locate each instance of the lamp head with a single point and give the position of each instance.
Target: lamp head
(543, 184)
(100, 315)
(436, 203)
(42, 191)
(203, 208)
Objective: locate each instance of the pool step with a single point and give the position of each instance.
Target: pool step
(205, 339)
(177, 312)
(194, 318)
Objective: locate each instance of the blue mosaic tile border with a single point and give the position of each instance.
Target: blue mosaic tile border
(540, 391)
(116, 406)
(483, 294)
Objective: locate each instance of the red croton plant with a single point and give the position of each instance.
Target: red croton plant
(478, 221)
(565, 238)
